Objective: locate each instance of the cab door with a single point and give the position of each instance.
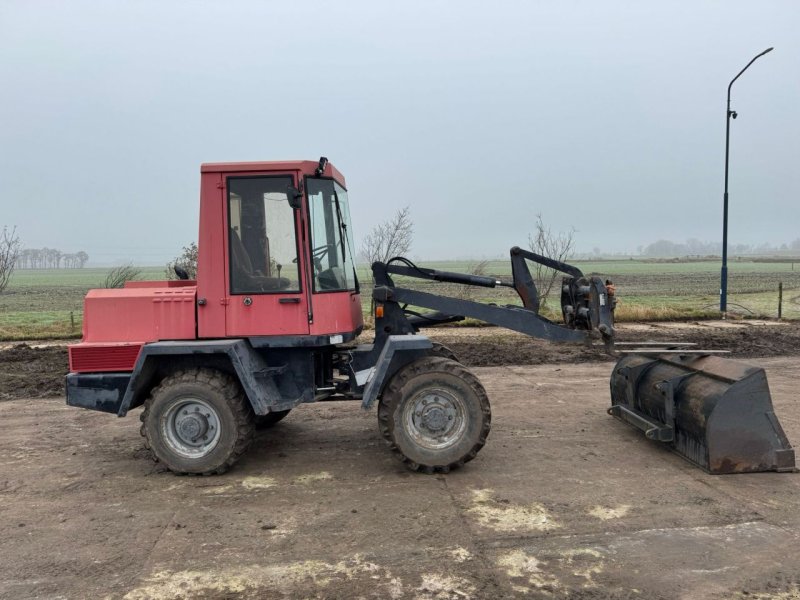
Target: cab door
(265, 280)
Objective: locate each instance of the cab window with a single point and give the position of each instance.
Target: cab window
(331, 237)
(262, 237)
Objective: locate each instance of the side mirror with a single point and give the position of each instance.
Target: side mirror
(294, 196)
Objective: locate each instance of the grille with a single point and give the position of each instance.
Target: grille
(93, 359)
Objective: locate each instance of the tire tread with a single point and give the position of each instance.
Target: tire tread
(223, 384)
(392, 395)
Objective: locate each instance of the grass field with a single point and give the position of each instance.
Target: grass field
(42, 304)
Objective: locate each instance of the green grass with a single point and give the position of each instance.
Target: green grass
(43, 325)
(47, 304)
(37, 303)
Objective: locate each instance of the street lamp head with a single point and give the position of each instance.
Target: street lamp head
(770, 49)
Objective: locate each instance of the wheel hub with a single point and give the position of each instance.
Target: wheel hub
(191, 427)
(435, 418)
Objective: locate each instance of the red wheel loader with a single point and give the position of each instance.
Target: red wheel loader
(272, 319)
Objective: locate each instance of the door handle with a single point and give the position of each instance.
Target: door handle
(289, 300)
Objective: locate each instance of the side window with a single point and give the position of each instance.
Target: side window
(262, 236)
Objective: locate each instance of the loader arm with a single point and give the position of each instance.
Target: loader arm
(586, 305)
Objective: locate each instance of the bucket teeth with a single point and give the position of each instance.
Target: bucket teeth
(715, 412)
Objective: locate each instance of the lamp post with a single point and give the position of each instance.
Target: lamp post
(723, 288)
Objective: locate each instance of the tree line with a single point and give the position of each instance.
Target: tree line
(695, 247)
(49, 258)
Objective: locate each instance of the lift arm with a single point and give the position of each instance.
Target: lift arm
(585, 302)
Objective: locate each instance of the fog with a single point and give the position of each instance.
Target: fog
(606, 117)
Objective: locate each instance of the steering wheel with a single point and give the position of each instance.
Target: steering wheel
(317, 254)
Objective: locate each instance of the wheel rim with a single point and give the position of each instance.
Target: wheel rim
(435, 418)
(191, 428)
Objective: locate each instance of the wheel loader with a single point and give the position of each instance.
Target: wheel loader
(272, 322)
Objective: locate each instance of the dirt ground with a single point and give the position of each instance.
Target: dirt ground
(37, 370)
(563, 502)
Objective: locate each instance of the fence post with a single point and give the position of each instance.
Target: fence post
(72, 320)
(780, 300)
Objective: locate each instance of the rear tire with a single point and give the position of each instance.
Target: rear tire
(270, 419)
(197, 421)
(435, 415)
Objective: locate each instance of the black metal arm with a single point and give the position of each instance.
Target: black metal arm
(586, 305)
(523, 282)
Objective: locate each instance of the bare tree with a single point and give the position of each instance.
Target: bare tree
(558, 246)
(82, 258)
(9, 253)
(117, 276)
(187, 260)
(390, 238)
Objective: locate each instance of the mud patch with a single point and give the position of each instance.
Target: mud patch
(780, 586)
(27, 372)
(496, 347)
(506, 517)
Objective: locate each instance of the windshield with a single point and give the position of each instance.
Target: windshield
(331, 236)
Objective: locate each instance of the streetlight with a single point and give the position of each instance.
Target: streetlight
(723, 288)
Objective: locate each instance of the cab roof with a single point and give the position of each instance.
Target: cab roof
(306, 167)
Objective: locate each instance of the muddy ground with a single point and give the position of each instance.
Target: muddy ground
(563, 502)
(37, 370)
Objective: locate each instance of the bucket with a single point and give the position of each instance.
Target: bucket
(715, 412)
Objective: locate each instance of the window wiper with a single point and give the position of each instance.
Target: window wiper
(342, 226)
(343, 234)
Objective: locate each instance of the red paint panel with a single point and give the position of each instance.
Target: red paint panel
(103, 358)
(336, 312)
(140, 315)
(212, 255)
(266, 316)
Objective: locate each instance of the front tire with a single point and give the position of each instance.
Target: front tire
(442, 351)
(435, 414)
(197, 421)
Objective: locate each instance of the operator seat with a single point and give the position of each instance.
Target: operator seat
(241, 265)
(244, 277)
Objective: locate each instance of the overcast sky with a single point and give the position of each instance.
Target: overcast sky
(608, 117)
